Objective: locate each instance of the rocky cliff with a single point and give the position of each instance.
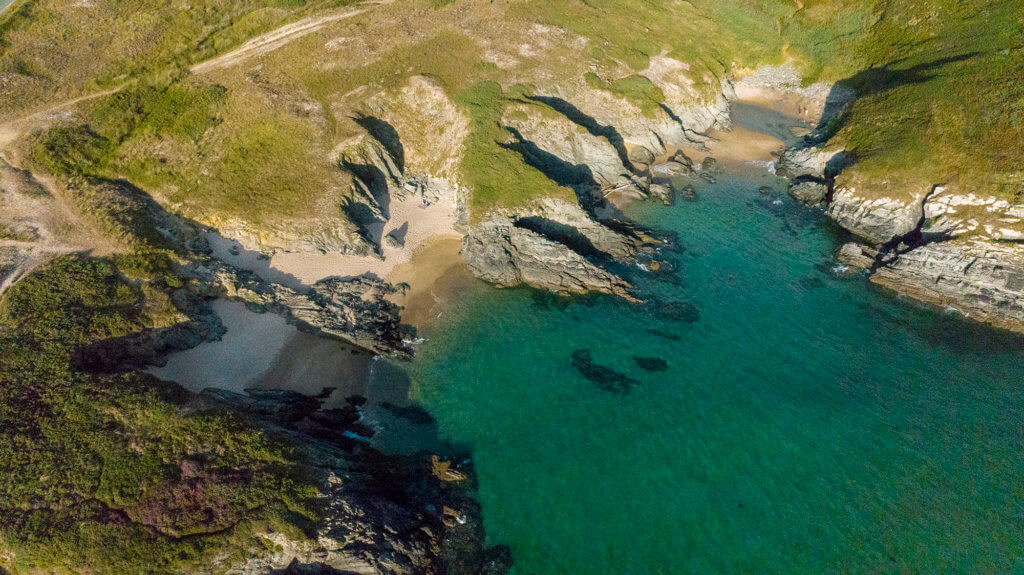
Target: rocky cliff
(377, 514)
(950, 249)
(597, 145)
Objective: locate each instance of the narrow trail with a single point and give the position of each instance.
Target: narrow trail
(34, 254)
(280, 37)
(11, 130)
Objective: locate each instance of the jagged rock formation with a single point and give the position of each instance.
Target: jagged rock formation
(503, 253)
(377, 514)
(949, 250)
(353, 310)
(596, 144)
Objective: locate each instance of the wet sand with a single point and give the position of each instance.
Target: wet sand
(260, 350)
(736, 146)
(435, 275)
(238, 360)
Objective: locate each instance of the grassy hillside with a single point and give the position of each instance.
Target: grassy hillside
(941, 99)
(52, 50)
(112, 473)
(254, 141)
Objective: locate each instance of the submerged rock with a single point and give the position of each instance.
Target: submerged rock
(664, 334)
(605, 378)
(676, 311)
(650, 363)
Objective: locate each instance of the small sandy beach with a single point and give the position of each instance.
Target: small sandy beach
(424, 225)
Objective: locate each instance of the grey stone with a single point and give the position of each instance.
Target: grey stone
(809, 191)
(499, 252)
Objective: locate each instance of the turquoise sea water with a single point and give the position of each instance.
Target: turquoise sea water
(805, 423)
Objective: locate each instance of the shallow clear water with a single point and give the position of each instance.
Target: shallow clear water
(805, 423)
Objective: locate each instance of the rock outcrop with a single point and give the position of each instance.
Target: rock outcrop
(353, 310)
(377, 514)
(505, 254)
(950, 250)
(979, 278)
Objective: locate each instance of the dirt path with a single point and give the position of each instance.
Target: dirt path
(277, 38)
(9, 131)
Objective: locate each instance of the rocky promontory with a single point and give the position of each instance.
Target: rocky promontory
(952, 250)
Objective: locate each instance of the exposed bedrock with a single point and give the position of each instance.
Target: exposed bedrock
(377, 514)
(505, 254)
(953, 250)
(353, 310)
(982, 279)
(595, 144)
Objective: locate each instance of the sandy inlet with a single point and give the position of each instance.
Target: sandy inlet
(260, 350)
(421, 225)
(263, 351)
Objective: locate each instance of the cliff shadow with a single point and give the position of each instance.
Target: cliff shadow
(877, 80)
(386, 134)
(367, 221)
(578, 177)
(400, 233)
(563, 234)
(373, 183)
(591, 125)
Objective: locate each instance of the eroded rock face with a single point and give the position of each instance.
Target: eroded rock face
(879, 221)
(809, 191)
(946, 249)
(502, 253)
(809, 162)
(353, 310)
(377, 514)
(982, 279)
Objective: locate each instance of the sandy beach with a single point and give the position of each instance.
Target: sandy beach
(424, 225)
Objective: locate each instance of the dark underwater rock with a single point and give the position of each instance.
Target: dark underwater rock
(664, 334)
(605, 378)
(650, 363)
(676, 311)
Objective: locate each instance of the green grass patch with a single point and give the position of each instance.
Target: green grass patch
(637, 89)
(498, 176)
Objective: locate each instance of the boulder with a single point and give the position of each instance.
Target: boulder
(856, 256)
(808, 191)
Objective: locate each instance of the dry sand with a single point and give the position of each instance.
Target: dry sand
(737, 145)
(424, 225)
(792, 104)
(263, 351)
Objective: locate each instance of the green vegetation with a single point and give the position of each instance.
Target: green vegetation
(164, 138)
(941, 100)
(637, 89)
(498, 176)
(117, 472)
(120, 462)
(51, 51)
